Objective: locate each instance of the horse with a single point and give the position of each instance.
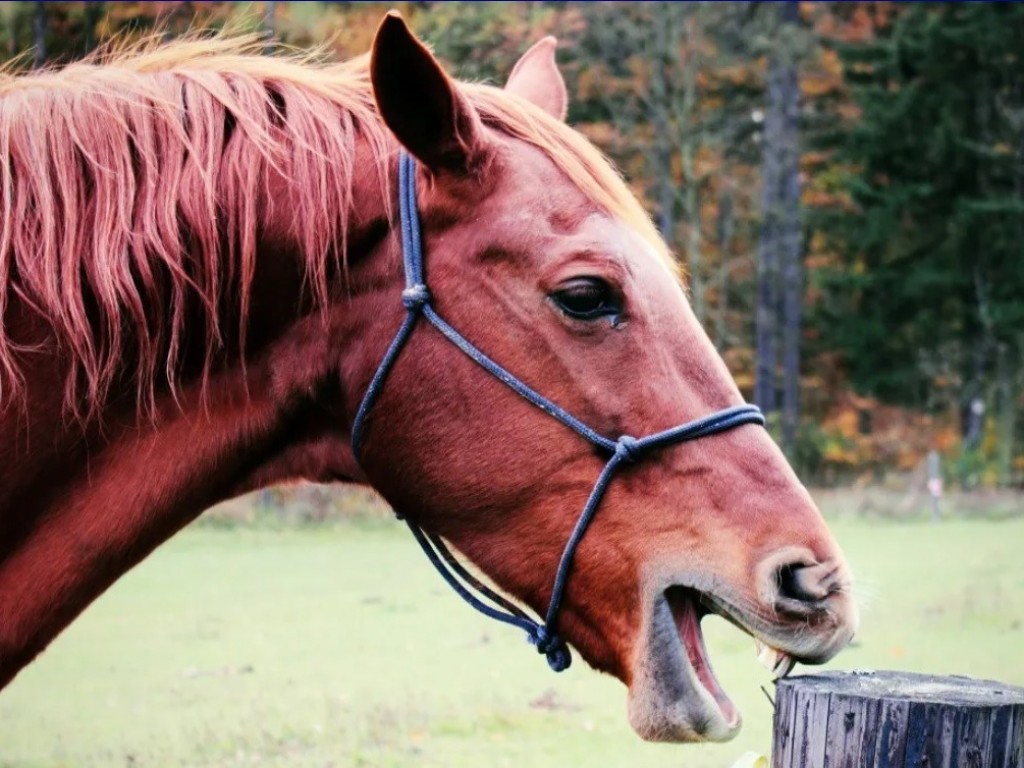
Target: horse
(201, 272)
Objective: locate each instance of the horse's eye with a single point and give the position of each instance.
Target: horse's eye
(586, 298)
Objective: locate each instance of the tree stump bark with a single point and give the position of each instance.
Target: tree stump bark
(897, 720)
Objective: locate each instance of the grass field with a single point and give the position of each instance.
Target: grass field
(338, 646)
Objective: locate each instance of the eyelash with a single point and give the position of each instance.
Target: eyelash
(587, 298)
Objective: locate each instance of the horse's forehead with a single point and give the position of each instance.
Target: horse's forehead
(535, 202)
(526, 174)
(552, 234)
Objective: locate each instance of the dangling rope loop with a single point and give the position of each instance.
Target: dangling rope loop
(626, 450)
(552, 646)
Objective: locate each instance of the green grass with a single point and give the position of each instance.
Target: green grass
(339, 646)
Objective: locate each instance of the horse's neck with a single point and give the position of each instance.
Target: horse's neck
(76, 513)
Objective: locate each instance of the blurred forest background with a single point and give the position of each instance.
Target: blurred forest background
(843, 181)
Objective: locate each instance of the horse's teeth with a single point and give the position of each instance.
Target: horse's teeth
(767, 656)
(778, 662)
(785, 665)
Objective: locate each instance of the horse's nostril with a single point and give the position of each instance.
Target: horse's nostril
(804, 583)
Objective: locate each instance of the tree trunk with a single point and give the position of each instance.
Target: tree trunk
(93, 14)
(1006, 399)
(793, 283)
(779, 273)
(725, 227)
(791, 247)
(896, 720)
(690, 141)
(772, 159)
(39, 32)
(12, 34)
(691, 209)
(659, 115)
(269, 12)
(767, 282)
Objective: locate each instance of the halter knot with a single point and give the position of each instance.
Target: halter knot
(628, 448)
(415, 297)
(552, 646)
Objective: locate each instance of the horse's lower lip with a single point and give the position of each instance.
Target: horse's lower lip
(687, 610)
(673, 694)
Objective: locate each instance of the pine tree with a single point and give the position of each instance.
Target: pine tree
(926, 306)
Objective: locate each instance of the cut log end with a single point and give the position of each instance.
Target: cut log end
(897, 720)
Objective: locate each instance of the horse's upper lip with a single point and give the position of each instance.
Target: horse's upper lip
(811, 645)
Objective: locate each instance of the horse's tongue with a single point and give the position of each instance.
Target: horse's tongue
(692, 638)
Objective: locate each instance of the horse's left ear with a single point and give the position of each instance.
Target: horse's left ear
(419, 102)
(536, 78)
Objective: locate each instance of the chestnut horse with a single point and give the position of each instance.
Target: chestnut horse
(200, 273)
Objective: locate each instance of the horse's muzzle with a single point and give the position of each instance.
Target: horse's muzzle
(803, 611)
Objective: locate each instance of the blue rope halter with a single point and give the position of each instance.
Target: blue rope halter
(416, 298)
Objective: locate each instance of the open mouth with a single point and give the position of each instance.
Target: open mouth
(689, 607)
(688, 610)
(676, 695)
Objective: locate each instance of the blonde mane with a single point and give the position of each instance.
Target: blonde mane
(127, 193)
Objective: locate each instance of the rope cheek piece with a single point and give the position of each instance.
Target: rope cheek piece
(417, 301)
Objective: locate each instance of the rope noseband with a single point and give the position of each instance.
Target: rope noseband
(417, 301)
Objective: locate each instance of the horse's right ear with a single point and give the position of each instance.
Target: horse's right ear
(419, 102)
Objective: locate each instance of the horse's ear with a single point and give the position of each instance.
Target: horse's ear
(536, 77)
(419, 102)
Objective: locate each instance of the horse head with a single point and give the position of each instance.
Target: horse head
(539, 255)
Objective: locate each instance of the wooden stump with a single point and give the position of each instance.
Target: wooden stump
(897, 720)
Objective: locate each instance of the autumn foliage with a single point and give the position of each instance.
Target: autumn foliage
(910, 170)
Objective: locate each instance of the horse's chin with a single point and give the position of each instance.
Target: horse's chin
(674, 694)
